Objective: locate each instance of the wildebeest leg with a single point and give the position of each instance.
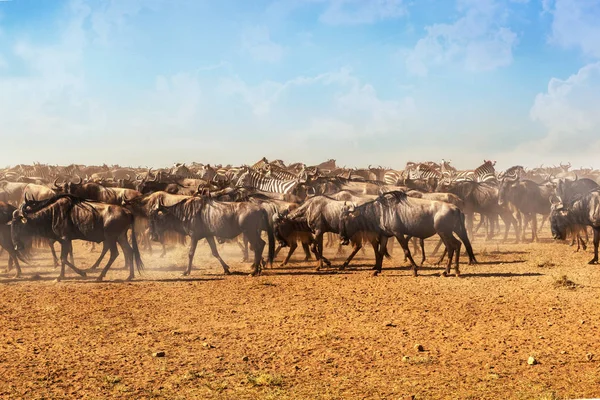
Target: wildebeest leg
(127, 253)
(66, 247)
(293, 247)
(534, 236)
(356, 247)
(53, 251)
(319, 247)
(306, 249)
(596, 242)
(244, 248)
(215, 253)
(544, 219)
(258, 246)
(164, 249)
(404, 243)
(191, 252)
(102, 254)
(114, 253)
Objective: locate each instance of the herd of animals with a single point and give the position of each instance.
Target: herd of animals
(294, 204)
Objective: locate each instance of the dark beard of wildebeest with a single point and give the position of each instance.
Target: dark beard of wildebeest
(583, 211)
(318, 215)
(6, 213)
(65, 218)
(202, 217)
(483, 199)
(394, 214)
(529, 198)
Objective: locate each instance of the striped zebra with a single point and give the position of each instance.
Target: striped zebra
(275, 172)
(424, 171)
(253, 179)
(260, 165)
(514, 172)
(484, 173)
(393, 177)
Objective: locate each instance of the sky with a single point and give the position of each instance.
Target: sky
(382, 82)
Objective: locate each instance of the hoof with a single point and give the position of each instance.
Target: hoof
(129, 278)
(376, 273)
(457, 275)
(58, 279)
(227, 272)
(99, 279)
(83, 274)
(17, 276)
(592, 262)
(444, 273)
(344, 266)
(185, 274)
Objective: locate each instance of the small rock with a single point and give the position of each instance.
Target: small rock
(245, 358)
(563, 352)
(390, 324)
(589, 356)
(582, 321)
(158, 354)
(419, 347)
(405, 359)
(531, 360)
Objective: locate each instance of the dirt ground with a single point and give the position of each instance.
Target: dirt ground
(295, 333)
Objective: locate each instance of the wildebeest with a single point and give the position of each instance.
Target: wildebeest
(585, 210)
(65, 218)
(203, 217)
(97, 192)
(6, 213)
(394, 214)
(319, 215)
(528, 197)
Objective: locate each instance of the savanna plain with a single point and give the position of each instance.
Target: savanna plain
(297, 333)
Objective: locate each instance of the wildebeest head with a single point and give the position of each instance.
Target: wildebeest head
(348, 215)
(159, 220)
(506, 185)
(19, 224)
(281, 229)
(559, 219)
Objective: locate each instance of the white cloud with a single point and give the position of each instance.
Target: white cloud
(353, 12)
(477, 40)
(569, 112)
(575, 24)
(257, 42)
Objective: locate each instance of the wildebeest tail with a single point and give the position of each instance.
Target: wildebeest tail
(461, 231)
(271, 236)
(136, 251)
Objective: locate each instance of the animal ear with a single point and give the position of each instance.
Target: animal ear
(9, 223)
(160, 212)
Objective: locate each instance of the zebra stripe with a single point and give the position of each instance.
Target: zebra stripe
(266, 184)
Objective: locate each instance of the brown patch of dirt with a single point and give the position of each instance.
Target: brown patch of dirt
(297, 333)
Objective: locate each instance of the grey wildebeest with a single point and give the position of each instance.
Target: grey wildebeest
(319, 215)
(568, 191)
(203, 217)
(585, 210)
(65, 218)
(481, 198)
(394, 214)
(528, 197)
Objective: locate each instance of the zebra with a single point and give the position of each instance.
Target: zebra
(260, 165)
(253, 179)
(275, 172)
(393, 177)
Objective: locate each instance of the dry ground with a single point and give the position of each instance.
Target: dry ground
(296, 333)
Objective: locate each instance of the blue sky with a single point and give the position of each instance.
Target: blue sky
(153, 82)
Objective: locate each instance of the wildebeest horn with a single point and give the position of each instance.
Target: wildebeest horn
(576, 177)
(54, 183)
(80, 180)
(128, 177)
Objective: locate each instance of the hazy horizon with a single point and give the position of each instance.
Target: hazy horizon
(379, 82)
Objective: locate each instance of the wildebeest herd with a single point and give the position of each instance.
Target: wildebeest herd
(293, 204)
